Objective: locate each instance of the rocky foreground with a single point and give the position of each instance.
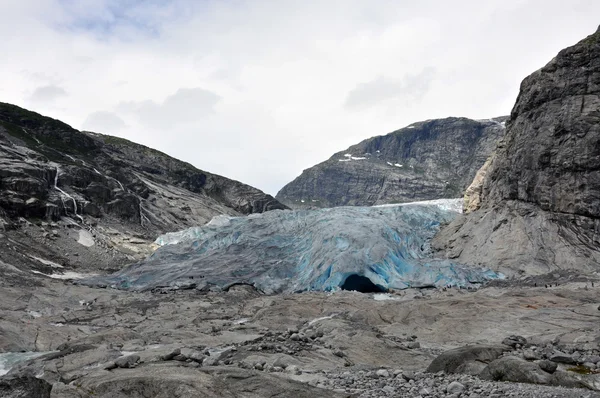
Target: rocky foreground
(110, 343)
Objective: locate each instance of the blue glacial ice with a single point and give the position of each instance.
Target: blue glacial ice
(302, 250)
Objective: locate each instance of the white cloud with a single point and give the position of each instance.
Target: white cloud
(411, 88)
(258, 90)
(103, 122)
(187, 105)
(47, 95)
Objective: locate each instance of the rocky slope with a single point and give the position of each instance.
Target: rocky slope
(426, 160)
(538, 205)
(80, 199)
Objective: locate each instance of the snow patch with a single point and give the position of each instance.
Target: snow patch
(454, 205)
(321, 319)
(220, 221)
(47, 262)
(66, 275)
(85, 238)
(384, 297)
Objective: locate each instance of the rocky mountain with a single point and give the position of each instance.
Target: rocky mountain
(532, 206)
(536, 206)
(72, 198)
(424, 161)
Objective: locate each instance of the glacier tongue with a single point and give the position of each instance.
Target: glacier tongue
(292, 251)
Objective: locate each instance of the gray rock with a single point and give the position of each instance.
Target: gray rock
(438, 159)
(589, 365)
(548, 366)
(171, 355)
(455, 387)
(413, 344)
(592, 358)
(562, 357)
(538, 204)
(515, 341)
(530, 355)
(383, 373)
(24, 387)
(127, 362)
(463, 359)
(516, 370)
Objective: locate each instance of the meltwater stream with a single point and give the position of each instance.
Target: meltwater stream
(9, 359)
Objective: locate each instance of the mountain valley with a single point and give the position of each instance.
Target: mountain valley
(127, 273)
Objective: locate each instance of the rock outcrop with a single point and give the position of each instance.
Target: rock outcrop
(539, 202)
(24, 387)
(426, 160)
(72, 197)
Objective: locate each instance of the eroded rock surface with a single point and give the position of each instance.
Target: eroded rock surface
(539, 207)
(88, 201)
(109, 343)
(426, 160)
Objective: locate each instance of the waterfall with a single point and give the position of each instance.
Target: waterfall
(65, 194)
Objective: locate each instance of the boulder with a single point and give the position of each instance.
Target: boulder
(127, 362)
(548, 366)
(24, 387)
(516, 370)
(469, 359)
(514, 341)
(561, 357)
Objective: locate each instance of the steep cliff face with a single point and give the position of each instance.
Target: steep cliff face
(60, 186)
(539, 202)
(426, 160)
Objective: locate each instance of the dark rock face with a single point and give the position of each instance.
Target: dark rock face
(24, 387)
(540, 199)
(427, 160)
(110, 187)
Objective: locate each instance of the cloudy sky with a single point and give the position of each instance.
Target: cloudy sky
(258, 90)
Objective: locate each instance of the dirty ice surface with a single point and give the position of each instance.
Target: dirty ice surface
(369, 249)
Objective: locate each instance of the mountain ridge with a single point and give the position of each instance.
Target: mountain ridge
(55, 177)
(426, 160)
(537, 207)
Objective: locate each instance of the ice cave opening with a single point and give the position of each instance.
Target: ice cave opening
(361, 284)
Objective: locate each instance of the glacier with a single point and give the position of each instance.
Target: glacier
(283, 251)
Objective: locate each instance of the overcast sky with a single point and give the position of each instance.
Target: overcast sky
(260, 90)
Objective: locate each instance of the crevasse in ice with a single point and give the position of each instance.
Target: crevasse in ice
(292, 251)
